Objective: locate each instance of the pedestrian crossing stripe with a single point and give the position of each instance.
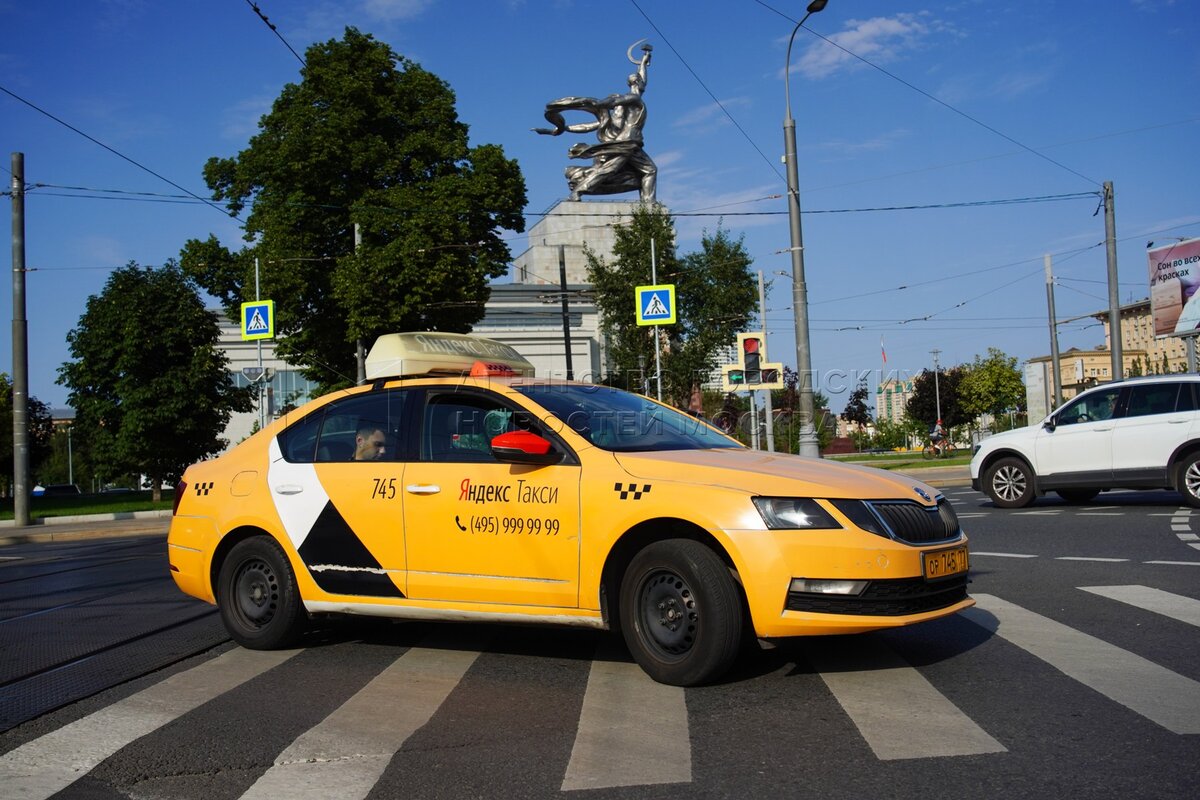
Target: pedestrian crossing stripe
(258, 319)
(630, 731)
(655, 305)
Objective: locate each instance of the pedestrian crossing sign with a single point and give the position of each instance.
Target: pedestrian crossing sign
(655, 304)
(258, 319)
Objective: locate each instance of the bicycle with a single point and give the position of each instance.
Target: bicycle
(939, 449)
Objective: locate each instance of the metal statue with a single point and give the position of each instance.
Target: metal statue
(619, 164)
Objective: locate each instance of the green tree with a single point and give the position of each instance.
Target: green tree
(923, 402)
(715, 294)
(41, 430)
(992, 385)
(148, 383)
(857, 411)
(366, 138)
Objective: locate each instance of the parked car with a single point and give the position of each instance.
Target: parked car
(61, 490)
(1141, 433)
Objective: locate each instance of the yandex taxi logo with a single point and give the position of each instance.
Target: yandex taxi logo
(752, 371)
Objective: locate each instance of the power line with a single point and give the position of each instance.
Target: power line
(720, 105)
(269, 24)
(117, 153)
(935, 99)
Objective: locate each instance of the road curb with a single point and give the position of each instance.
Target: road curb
(83, 519)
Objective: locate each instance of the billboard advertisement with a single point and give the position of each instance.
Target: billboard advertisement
(1174, 278)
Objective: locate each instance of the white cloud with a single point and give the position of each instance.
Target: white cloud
(879, 39)
(241, 120)
(711, 115)
(392, 10)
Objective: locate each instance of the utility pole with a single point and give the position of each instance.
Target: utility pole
(360, 353)
(20, 349)
(768, 411)
(566, 315)
(1056, 395)
(657, 341)
(1114, 299)
(937, 392)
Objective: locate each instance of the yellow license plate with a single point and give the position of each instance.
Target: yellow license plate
(944, 563)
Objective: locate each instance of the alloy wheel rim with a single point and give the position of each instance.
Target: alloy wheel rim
(1009, 483)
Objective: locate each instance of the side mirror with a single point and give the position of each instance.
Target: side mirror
(1050, 424)
(523, 447)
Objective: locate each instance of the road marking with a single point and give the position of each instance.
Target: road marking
(970, 516)
(1158, 694)
(1176, 563)
(1089, 558)
(897, 711)
(1046, 512)
(1188, 537)
(12, 558)
(50, 763)
(632, 730)
(344, 755)
(1100, 514)
(1002, 555)
(1184, 609)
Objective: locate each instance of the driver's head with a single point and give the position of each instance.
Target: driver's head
(370, 442)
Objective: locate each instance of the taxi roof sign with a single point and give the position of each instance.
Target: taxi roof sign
(396, 355)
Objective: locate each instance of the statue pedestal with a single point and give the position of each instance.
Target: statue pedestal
(572, 224)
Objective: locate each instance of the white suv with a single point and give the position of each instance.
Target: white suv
(1142, 433)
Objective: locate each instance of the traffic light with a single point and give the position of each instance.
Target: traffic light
(750, 359)
(752, 371)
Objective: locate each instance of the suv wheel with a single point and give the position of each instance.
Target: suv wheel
(1009, 482)
(1187, 480)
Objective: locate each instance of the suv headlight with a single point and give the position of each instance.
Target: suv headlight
(794, 513)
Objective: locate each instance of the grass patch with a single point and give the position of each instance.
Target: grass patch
(116, 502)
(903, 461)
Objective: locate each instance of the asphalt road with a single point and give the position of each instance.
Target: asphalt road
(1078, 674)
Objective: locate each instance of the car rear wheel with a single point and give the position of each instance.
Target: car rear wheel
(1077, 495)
(681, 613)
(257, 595)
(1009, 482)
(1188, 480)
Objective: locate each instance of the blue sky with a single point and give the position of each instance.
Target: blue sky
(966, 102)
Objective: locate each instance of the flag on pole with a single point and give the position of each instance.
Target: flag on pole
(882, 349)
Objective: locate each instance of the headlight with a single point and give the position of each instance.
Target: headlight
(794, 513)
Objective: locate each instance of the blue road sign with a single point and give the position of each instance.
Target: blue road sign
(258, 319)
(655, 304)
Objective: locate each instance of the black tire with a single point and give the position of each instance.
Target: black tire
(1077, 495)
(257, 595)
(1009, 482)
(929, 451)
(1187, 480)
(681, 613)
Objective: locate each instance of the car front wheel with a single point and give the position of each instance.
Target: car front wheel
(257, 595)
(681, 613)
(1188, 480)
(1009, 482)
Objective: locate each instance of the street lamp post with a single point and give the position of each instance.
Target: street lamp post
(808, 436)
(937, 393)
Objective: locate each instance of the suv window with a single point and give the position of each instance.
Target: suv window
(1091, 407)
(1152, 398)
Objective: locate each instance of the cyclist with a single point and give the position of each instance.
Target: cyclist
(937, 435)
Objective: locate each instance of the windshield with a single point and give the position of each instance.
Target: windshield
(622, 422)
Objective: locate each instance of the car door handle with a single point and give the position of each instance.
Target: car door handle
(1178, 421)
(422, 488)
(289, 488)
(1102, 430)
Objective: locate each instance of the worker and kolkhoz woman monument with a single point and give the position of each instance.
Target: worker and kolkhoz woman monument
(619, 162)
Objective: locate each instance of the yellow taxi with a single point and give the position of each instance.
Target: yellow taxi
(457, 486)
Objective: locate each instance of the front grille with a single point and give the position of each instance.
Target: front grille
(885, 598)
(917, 524)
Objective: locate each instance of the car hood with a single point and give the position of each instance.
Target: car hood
(778, 474)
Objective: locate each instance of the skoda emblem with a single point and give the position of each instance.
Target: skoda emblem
(924, 495)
